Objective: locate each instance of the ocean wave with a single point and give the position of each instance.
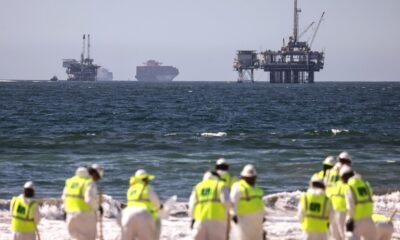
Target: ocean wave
(338, 131)
(213, 134)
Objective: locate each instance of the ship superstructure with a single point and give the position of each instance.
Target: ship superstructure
(83, 70)
(153, 71)
(295, 62)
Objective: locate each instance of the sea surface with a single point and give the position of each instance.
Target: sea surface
(178, 130)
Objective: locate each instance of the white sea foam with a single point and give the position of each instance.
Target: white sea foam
(213, 134)
(281, 221)
(338, 131)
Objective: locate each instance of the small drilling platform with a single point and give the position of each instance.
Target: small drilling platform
(295, 62)
(84, 70)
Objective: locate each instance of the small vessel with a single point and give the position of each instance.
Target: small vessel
(153, 71)
(54, 78)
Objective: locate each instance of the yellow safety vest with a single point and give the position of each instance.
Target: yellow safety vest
(316, 208)
(138, 196)
(362, 194)
(380, 218)
(250, 198)
(208, 205)
(22, 215)
(75, 194)
(228, 179)
(337, 197)
(330, 179)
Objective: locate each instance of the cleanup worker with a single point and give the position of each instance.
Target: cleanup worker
(337, 226)
(222, 168)
(25, 214)
(329, 175)
(384, 226)
(140, 220)
(315, 210)
(248, 206)
(81, 203)
(208, 207)
(359, 206)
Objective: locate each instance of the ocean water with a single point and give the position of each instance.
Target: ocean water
(177, 130)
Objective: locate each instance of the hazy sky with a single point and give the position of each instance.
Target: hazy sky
(361, 37)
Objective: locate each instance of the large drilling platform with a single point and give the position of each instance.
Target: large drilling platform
(84, 70)
(295, 62)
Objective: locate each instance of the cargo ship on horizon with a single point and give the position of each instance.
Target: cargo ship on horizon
(153, 71)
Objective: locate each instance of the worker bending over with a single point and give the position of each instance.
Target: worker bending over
(248, 206)
(25, 214)
(140, 219)
(208, 206)
(315, 211)
(359, 205)
(81, 202)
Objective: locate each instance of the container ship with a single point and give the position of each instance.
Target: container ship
(153, 71)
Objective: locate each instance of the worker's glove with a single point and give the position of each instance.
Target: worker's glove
(161, 206)
(101, 210)
(264, 219)
(191, 224)
(350, 225)
(64, 217)
(235, 219)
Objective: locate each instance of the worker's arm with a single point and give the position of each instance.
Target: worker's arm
(300, 210)
(154, 198)
(36, 215)
(225, 199)
(91, 197)
(349, 204)
(192, 202)
(235, 197)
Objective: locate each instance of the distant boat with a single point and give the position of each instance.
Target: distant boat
(54, 78)
(153, 71)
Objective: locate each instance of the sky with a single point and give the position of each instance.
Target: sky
(200, 38)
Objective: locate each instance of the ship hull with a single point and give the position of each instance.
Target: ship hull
(156, 73)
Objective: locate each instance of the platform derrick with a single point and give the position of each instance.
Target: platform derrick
(246, 62)
(295, 62)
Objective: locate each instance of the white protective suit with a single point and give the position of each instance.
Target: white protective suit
(249, 226)
(210, 229)
(36, 218)
(83, 225)
(363, 228)
(384, 230)
(337, 225)
(301, 214)
(138, 224)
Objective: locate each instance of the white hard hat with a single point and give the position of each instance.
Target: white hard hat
(316, 179)
(329, 160)
(248, 171)
(141, 174)
(344, 170)
(29, 185)
(221, 161)
(99, 169)
(345, 155)
(82, 172)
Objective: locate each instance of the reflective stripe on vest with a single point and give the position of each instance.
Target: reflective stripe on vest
(250, 199)
(138, 195)
(362, 195)
(337, 197)
(75, 194)
(22, 215)
(208, 205)
(316, 208)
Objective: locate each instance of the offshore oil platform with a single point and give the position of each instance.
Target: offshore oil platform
(84, 70)
(295, 62)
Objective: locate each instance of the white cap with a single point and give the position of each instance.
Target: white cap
(99, 169)
(316, 179)
(345, 155)
(329, 160)
(141, 174)
(344, 170)
(221, 161)
(248, 171)
(29, 185)
(82, 172)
